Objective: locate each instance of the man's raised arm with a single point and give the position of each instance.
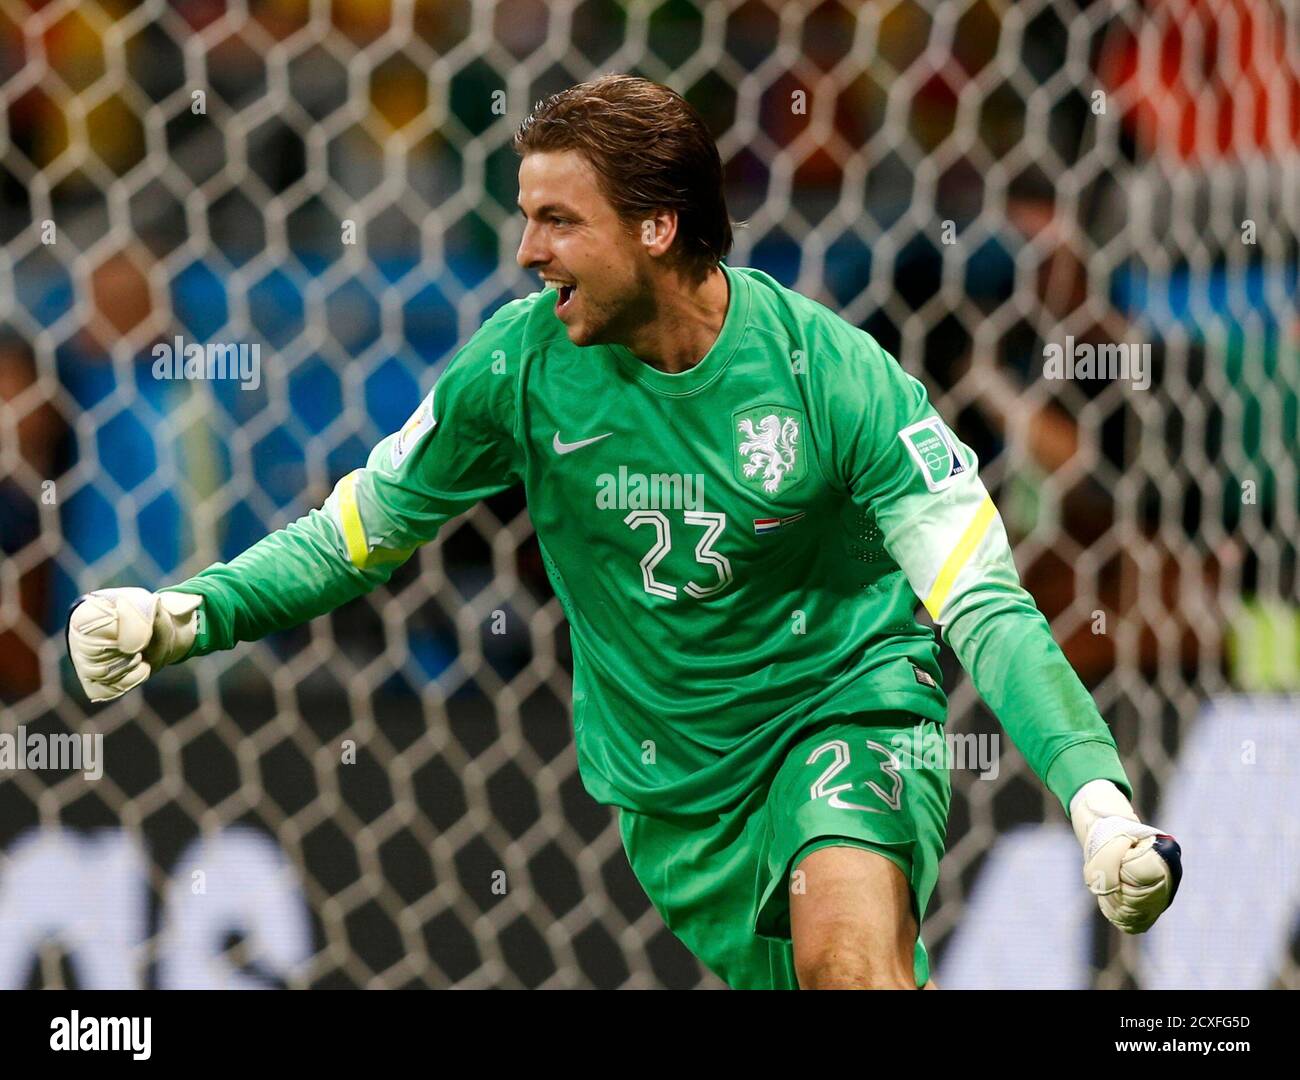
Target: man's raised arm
(461, 445)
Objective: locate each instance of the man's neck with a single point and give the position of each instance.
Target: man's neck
(684, 325)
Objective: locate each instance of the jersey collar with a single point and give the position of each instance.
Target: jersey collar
(714, 361)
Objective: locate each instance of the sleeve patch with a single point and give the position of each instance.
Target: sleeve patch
(934, 450)
(422, 421)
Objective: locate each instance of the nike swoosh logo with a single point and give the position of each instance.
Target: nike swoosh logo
(569, 448)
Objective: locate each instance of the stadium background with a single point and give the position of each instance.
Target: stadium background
(968, 180)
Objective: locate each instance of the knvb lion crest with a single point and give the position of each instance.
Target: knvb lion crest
(769, 447)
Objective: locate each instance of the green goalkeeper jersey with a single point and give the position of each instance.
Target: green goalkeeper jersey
(738, 548)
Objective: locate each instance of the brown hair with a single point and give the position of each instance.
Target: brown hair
(650, 150)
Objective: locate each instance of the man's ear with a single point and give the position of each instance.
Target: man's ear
(659, 232)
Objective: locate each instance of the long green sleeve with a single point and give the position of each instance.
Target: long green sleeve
(939, 524)
(458, 447)
(286, 578)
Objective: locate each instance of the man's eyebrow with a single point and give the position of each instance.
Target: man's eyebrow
(549, 208)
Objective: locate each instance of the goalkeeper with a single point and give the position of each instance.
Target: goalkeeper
(739, 497)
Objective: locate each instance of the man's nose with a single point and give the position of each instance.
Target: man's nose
(531, 253)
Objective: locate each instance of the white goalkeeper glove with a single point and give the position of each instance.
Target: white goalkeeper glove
(1131, 868)
(117, 638)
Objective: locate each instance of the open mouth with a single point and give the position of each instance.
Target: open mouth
(564, 297)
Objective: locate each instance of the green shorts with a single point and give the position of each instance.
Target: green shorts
(721, 882)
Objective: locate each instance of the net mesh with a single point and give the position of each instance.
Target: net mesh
(970, 181)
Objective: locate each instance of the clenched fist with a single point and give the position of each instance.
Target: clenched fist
(117, 638)
(1132, 869)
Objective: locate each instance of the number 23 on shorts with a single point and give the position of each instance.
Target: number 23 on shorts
(839, 757)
